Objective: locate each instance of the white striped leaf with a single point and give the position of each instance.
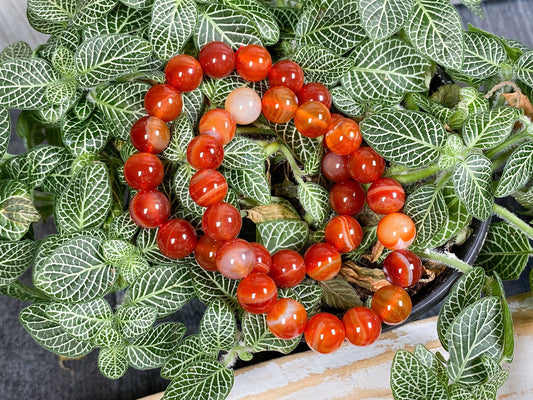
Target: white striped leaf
(116, 250)
(134, 321)
(242, 153)
(40, 162)
(138, 3)
(251, 183)
(182, 133)
(262, 18)
(346, 104)
(435, 29)
(339, 294)
(171, 26)
(17, 211)
(90, 11)
(517, 171)
(131, 267)
(287, 20)
(383, 18)
(15, 50)
(486, 130)
(63, 62)
(44, 26)
(217, 90)
(258, 337)
(182, 178)
(53, 10)
(57, 180)
(524, 68)
(122, 227)
(282, 234)
(5, 130)
(109, 337)
(188, 353)
(87, 136)
(53, 114)
(212, 286)
(385, 69)
(407, 138)
(432, 362)
(86, 201)
(20, 291)
(218, 328)
(120, 20)
(484, 56)
(193, 104)
(315, 201)
(146, 243)
(472, 180)
(60, 92)
(308, 293)
(16, 259)
(112, 362)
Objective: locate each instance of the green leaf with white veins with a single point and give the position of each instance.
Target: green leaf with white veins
(211, 286)
(15, 50)
(486, 130)
(86, 201)
(315, 201)
(133, 321)
(17, 211)
(476, 332)
(386, 69)
(333, 24)
(202, 380)
(258, 337)
(182, 133)
(182, 178)
(345, 103)
(411, 380)
(60, 92)
(87, 136)
(406, 138)
(90, 11)
(251, 183)
(321, 64)
(435, 29)
(339, 294)
(24, 83)
(383, 18)
(517, 171)
(50, 335)
(216, 90)
(53, 10)
(16, 259)
(106, 57)
(484, 56)
(218, 328)
(193, 104)
(112, 362)
(120, 20)
(472, 180)
(172, 24)
(108, 337)
(242, 153)
(524, 68)
(188, 352)
(82, 320)
(139, 4)
(261, 16)
(282, 234)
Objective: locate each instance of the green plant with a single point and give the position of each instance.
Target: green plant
(454, 149)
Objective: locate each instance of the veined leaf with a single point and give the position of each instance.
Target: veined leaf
(182, 178)
(146, 243)
(315, 201)
(87, 136)
(472, 180)
(15, 50)
(16, 259)
(131, 267)
(287, 20)
(53, 10)
(139, 4)
(308, 293)
(524, 68)
(17, 211)
(242, 153)
(188, 353)
(251, 183)
(486, 130)
(90, 11)
(181, 134)
(116, 250)
(108, 337)
(383, 18)
(218, 328)
(484, 56)
(339, 294)
(435, 29)
(517, 171)
(258, 337)
(217, 90)
(406, 138)
(122, 227)
(212, 286)
(262, 17)
(193, 104)
(120, 20)
(345, 103)
(112, 362)
(432, 362)
(133, 321)
(282, 234)
(43, 25)
(63, 62)
(385, 69)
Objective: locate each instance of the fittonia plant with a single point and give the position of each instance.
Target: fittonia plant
(389, 64)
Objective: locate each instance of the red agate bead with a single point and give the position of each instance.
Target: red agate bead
(208, 187)
(219, 123)
(385, 196)
(263, 259)
(286, 73)
(287, 319)
(392, 304)
(402, 268)
(312, 119)
(323, 262)
(279, 104)
(163, 101)
(244, 104)
(184, 73)
(344, 232)
(150, 134)
(324, 333)
(222, 221)
(362, 326)
(335, 167)
(315, 91)
(396, 231)
(253, 62)
(143, 171)
(347, 197)
(176, 238)
(257, 293)
(217, 59)
(149, 208)
(205, 152)
(206, 252)
(235, 259)
(288, 268)
(365, 165)
(344, 137)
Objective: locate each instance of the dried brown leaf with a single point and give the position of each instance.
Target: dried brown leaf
(270, 213)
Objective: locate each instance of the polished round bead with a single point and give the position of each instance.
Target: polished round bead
(257, 293)
(286, 73)
(143, 171)
(323, 261)
(288, 268)
(176, 238)
(149, 208)
(347, 197)
(235, 259)
(392, 304)
(253, 62)
(365, 165)
(402, 268)
(263, 259)
(343, 137)
(205, 152)
(315, 91)
(362, 326)
(217, 59)
(150, 134)
(163, 101)
(324, 333)
(208, 187)
(287, 319)
(244, 104)
(222, 221)
(184, 73)
(206, 252)
(312, 119)
(335, 167)
(385, 196)
(344, 233)
(396, 231)
(279, 104)
(219, 123)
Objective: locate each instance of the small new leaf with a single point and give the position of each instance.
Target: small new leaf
(315, 201)
(242, 153)
(218, 327)
(133, 321)
(339, 294)
(283, 234)
(112, 362)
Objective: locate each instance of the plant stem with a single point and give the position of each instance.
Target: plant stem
(297, 172)
(255, 130)
(446, 258)
(513, 219)
(271, 148)
(414, 176)
(511, 141)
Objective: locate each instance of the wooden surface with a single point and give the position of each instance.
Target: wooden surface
(362, 373)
